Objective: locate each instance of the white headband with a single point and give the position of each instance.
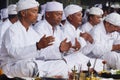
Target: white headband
(53, 6)
(113, 18)
(12, 9)
(71, 9)
(26, 4)
(96, 11)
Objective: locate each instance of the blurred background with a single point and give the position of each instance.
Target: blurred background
(83, 3)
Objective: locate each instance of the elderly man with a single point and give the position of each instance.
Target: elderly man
(94, 18)
(110, 40)
(105, 34)
(50, 27)
(107, 40)
(12, 18)
(21, 47)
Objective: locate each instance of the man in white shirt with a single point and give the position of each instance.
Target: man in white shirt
(94, 18)
(50, 27)
(72, 33)
(107, 40)
(4, 14)
(21, 47)
(12, 18)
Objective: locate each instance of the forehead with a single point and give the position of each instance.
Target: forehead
(77, 13)
(34, 8)
(53, 12)
(94, 15)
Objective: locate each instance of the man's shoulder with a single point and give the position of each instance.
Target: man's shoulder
(40, 23)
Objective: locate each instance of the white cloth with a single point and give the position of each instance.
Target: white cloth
(23, 4)
(52, 52)
(71, 33)
(12, 9)
(96, 11)
(5, 25)
(71, 9)
(80, 60)
(63, 16)
(103, 40)
(25, 68)
(87, 27)
(43, 9)
(113, 60)
(113, 18)
(44, 28)
(77, 58)
(54, 6)
(20, 58)
(4, 13)
(115, 5)
(98, 5)
(18, 42)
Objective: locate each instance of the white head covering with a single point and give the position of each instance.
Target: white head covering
(63, 16)
(43, 9)
(113, 18)
(116, 5)
(96, 11)
(71, 9)
(0, 15)
(39, 17)
(4, 13)
(98, 5)
(112, 6)
(54, 6)
(26, 4)
(12, 9)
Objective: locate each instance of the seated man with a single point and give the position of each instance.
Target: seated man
(73, 15)
(21, 47)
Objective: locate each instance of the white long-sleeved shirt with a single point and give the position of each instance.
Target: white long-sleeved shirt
(77, 58)
(4, 26)
(44, 28)
(19, 44)
(71, 33)
(103, 40)
(87, 27)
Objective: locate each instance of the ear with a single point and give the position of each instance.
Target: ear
(23, 13)
(70, 17)
(47, 14)
(91, 17)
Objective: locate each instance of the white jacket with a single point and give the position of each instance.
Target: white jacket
(3, 27)
(44, 28)
(87, 27)
(20, 57)
(103, 40)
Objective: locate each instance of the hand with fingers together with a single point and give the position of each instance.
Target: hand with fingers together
(45, 42)
(77, 45)
(87, 37)
(65, 46)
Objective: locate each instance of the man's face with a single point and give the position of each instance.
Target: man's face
(96, 19)
(54, 17)
(31, 15)
(76, 19)
(111, 28)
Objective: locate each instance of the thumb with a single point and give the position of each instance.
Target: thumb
(65, 40)
(43, 36)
